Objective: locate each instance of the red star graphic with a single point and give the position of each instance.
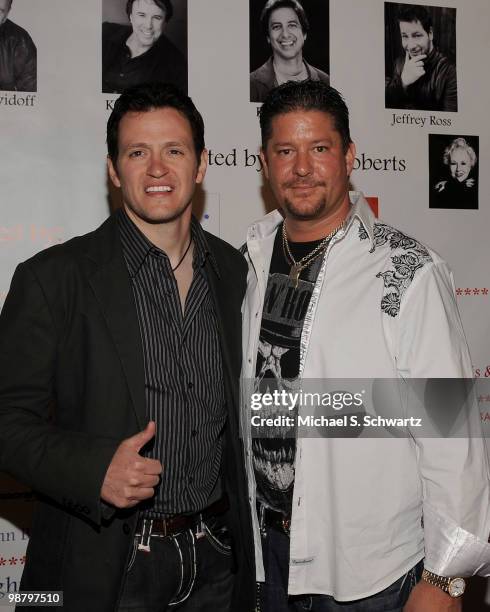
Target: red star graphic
(476, 291)
(3, 561)
(459, 291)
(13, 561)
(22, 560)
(484, 291)
(467, 291)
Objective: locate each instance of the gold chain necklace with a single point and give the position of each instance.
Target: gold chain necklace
(304, 262)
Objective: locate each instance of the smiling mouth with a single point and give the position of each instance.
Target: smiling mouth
(159, 189)
(303, 192)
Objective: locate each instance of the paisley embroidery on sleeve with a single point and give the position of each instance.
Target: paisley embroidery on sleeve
(410, 257)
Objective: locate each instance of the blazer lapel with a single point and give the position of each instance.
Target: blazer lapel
(227, 331)
(112, 287)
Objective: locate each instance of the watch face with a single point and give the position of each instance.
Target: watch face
(456, 587)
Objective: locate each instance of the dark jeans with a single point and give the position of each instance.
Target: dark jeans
(183, 572)
(273, 593)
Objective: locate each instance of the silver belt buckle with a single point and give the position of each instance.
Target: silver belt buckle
(286, 525)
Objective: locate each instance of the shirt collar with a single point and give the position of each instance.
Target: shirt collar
(136, 245)
(361, 210)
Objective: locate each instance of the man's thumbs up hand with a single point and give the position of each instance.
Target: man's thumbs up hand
(131, 478)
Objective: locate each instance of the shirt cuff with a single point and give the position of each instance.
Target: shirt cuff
(452, 551)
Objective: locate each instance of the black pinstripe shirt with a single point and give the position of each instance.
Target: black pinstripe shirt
(183, 372)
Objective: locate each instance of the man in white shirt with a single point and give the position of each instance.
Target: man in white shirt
(351, 525)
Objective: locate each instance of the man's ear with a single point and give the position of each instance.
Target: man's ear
(113, 172)
(263, 159)
(202, 166)
(350, 157)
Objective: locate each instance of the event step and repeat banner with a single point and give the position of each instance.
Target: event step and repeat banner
(423, 145)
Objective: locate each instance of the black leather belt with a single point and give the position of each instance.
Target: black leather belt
(276, 520)
(171, 525)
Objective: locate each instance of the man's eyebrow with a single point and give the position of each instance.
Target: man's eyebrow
(169, 143)
(286, 143)
(176, 143)
(132, 145)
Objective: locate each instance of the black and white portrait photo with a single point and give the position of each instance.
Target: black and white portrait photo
(453, 171)
(289, 41)
(143, 41)
(18, 53)
(420, 57)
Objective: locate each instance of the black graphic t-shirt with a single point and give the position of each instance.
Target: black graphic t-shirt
(278, 368)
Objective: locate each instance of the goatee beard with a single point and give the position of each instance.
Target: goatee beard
(306, 215)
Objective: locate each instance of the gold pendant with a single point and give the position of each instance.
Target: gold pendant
(294, 274)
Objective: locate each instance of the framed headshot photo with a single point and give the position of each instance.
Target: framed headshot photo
(453, 171)
(143, 41)
(289, 41)
(420, 57)
(18, 53)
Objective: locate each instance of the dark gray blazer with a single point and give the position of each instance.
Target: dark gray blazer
(72, 387)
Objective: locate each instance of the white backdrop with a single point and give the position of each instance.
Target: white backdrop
(52, 168)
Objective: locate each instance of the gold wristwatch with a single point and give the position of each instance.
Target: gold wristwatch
(453, 586)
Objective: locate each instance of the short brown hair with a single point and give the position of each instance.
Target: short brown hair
(272, 5)
(165, 5)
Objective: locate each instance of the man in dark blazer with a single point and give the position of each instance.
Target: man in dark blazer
(119, 358)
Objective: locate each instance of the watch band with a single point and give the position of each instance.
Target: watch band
(455, 587)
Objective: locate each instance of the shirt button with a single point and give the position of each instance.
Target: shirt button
(194, 433)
